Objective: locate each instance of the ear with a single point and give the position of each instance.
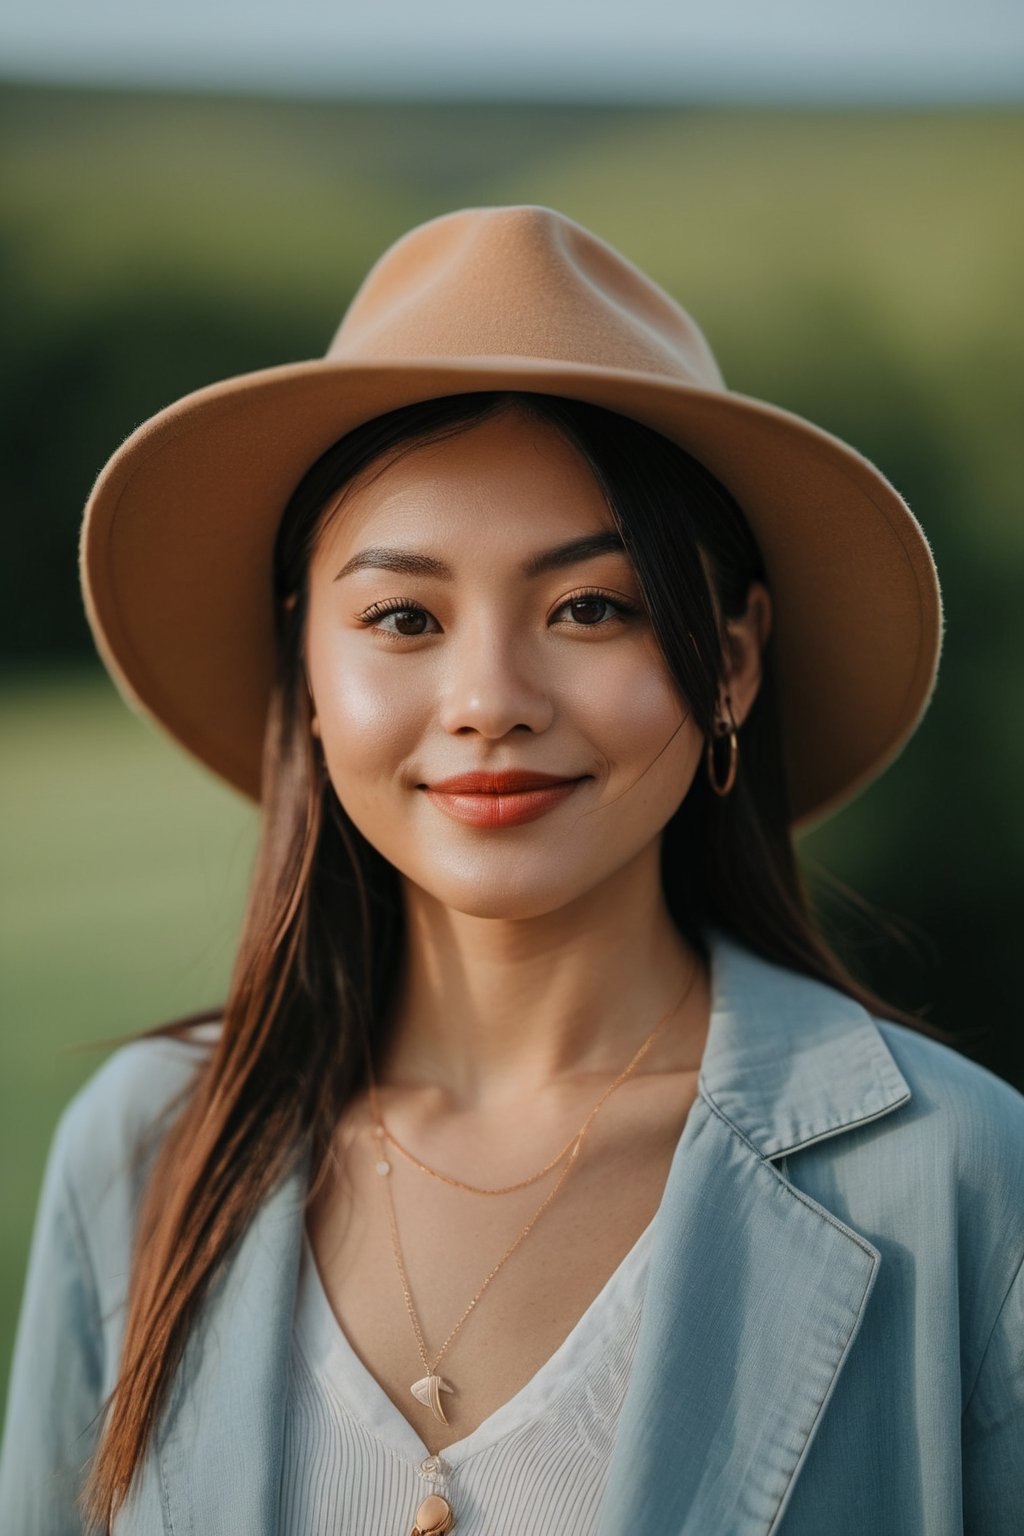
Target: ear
(745, 638)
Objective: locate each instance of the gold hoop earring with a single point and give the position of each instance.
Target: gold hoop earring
(734, 753)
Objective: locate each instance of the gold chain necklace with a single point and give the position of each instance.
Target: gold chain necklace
(429, 1388)
(381, 1130)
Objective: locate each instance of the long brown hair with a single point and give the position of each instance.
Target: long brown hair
(323, 931)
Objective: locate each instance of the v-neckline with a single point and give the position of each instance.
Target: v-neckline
(330, 1354)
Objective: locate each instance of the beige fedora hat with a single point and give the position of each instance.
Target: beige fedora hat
(178, 532)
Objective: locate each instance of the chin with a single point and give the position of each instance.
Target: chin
(506, 908)
(505, 896)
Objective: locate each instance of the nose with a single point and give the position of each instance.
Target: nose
(494, 684)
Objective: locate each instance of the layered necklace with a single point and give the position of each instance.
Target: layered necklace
(434, 1515)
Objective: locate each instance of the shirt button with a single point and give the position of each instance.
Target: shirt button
(433, 1466)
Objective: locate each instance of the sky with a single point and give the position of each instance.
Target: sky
(872, 50)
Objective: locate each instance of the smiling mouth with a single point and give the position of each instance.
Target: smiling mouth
(500, 807)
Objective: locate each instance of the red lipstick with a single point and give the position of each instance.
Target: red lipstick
(500, 799)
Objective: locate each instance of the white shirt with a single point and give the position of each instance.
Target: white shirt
(354, 1465)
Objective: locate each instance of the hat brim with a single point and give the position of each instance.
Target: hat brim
(177, 540)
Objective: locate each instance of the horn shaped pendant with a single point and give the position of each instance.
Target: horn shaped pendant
(428, 1391)
(433, 1517)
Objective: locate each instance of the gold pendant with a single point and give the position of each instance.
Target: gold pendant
(433, 1517)
(428, 1391)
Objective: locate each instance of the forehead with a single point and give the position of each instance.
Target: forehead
(508, 483)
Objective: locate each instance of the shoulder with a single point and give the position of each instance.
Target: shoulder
(967, 1126)
(106, 1136)
(124, 1102)
(80, 1255)
(959, 1143)
(971, 1110)
(67, 1345)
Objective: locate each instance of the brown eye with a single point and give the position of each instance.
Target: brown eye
(411, 617)
(398, 619)
(594, 610)
(588, 609)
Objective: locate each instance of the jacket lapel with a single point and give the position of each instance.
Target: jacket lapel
(755, 1292)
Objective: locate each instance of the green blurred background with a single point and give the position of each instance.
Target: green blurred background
(862, 267)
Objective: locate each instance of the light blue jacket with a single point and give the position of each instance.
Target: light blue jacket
(832, 1341)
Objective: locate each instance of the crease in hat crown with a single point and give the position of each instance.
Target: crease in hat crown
(521, 281)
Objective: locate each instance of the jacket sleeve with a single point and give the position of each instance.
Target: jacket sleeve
(993, 1427)
(54, 1394)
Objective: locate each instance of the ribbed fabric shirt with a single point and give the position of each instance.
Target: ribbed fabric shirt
(354, 1465)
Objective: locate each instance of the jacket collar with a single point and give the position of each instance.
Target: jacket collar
(755, 1292)
(790, 1060)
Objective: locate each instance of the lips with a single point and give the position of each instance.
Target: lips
(510, 782)
(500, 799)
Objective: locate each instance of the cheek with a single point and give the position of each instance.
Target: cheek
(651, 745)
(367, 713)
(636, 707)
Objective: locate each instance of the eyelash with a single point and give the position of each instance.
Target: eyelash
(625, 611)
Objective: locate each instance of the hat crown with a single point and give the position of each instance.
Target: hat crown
(520, 282)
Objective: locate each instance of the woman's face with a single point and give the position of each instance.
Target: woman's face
(445, 636)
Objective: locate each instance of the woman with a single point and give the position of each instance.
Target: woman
(544, 1171)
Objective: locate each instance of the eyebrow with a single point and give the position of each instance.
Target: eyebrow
(408, 563)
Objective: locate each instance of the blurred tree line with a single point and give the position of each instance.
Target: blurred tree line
(860, 268)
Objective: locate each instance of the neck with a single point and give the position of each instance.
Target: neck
(493, 1011)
